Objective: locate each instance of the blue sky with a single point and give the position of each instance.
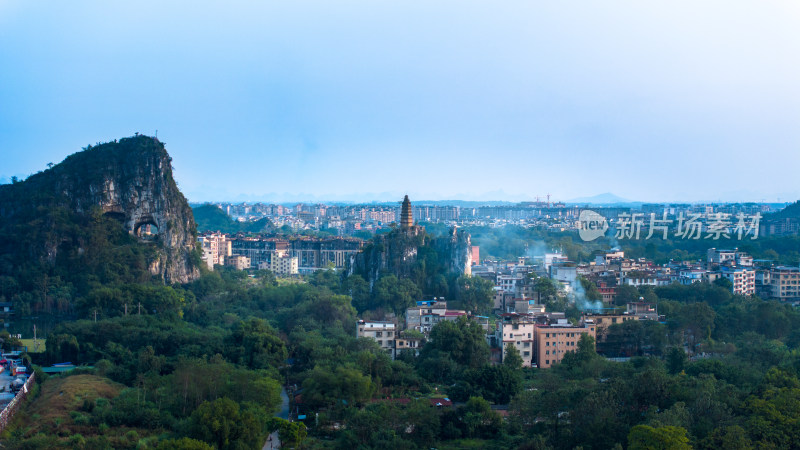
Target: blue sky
(650, 100)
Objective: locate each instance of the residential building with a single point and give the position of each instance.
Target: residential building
(406, 344)
(608, 291)
(564, 272)
(784, 283)
(517, 330)
(281, 264)
(509, 283)
(258, 250)
(609, 257)
(603, 321)
(717, 257)
(425, 314)
(238, 262)
(311, 253)
(556, 339)
(216, 247)
(527, 306)
(643, 310)
(553, 258)
(384, 333)
(763, 283)
(637, 278)
(691, 276)
(742, 278)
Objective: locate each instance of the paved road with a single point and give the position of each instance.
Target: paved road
(273, 441)
(284, 412)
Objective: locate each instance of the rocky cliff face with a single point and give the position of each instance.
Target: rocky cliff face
(393, 253)
(457, 245)
(397, 252)
(131, 181)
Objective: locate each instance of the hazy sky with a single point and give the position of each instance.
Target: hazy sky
(651, 100)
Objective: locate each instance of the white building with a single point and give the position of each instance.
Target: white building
(509, 283)
(381, 332)
(743, 279)
(565, 273)
(518, 331)
(691, 276)
(281, 264)
(216, 247)
(425, 314)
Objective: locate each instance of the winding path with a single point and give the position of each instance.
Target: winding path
(273, 441)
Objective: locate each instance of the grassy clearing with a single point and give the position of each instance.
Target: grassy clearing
(56, 418)
(38, 348)
(60, 395)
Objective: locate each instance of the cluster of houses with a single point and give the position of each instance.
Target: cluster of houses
(419, 321)
(542, 337)
(515, 282)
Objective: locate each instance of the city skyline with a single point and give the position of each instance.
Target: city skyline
(312, 101)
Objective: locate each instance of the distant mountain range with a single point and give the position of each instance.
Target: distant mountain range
(602, 199)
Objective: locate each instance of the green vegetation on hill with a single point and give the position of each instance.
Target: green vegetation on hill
(397, 268)
(213, 218)
(792, 211)
(61, 254)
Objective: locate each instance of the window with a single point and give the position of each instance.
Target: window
(526, 354)
(527, 344)
(380, 342)
(379, 334)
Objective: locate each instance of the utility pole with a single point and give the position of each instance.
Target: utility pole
(126, 309)
(140, 308)
(95, 316)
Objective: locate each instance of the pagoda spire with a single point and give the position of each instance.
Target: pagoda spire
(406, 216)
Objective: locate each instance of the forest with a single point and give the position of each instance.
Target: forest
(208, 371)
